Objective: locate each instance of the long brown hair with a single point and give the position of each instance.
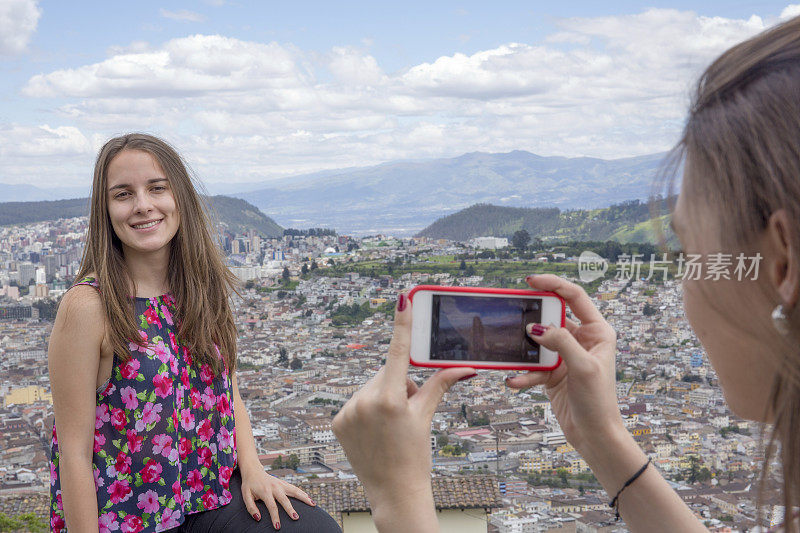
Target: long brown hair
(198, 278)
(741, 149)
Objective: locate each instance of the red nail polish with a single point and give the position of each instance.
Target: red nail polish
(277, 525)
(313, 502)
(257, 516)
(467, 377)
(537, 329)
(294, 515)
(401, 302)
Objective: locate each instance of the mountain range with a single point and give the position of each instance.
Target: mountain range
(404, 197)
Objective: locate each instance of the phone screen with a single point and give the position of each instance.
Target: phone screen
(475, 328)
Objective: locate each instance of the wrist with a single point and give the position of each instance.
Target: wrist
(615, 459)
(404, 510)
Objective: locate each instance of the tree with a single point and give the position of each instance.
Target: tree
(520, 239)
(442, 440)
(463, 265)
(293, 462)
(304, 269)
(331, 262)
(314, 265)
(296, 364)
(286, 275)
(277, 464)
(283, 356)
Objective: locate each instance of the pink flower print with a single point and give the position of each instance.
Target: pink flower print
(149, 415)
(195, 480)
(130, 369)
(205, 457)
(209, 499)
(225, 476)
(187, 419)
(53, 474)
(142, 346)
(209, 400)
(173, 364)
(132, 524)
(185, 377)
(101, 415)
(108, 522)
(206, 374)
(223, 405)
(98, 479)
(194, 395)
(167, 315)
(184, 447)
(148, 502)
(224, 438)
(123, 463)
(226, 497)
(151, 316)
(176, 490)
(187, 355)
(151, 472)
(134, 441)
(99, 440)
(160, 349)
(129, 397)
(118, 418)
(169, 299)
(57, 524)
(163, 385)
(161, 444)
(120, 491)
(204, 430)
(169, 517)
(172, 342)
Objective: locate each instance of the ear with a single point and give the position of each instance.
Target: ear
(784, 269)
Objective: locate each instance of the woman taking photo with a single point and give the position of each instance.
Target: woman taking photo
(740, 193)
(152, 434)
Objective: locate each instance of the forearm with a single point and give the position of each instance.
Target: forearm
(405, 511)
(78, 494)
(247, 455)
(649, 503)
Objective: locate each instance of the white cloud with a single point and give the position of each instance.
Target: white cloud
(183, 15)
(18, 21)
(792, 10)
(242, 110)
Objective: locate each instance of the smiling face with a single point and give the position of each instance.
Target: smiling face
(141, 205)
(727, 315)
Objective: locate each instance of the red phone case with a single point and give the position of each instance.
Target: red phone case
(490, 290)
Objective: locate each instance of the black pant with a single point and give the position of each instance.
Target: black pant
(234, 517)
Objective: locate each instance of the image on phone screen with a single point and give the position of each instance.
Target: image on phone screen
(474, 328)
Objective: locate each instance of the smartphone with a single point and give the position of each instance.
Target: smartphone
(482, 327)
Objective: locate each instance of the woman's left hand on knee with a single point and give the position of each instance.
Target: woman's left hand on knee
(272, 491)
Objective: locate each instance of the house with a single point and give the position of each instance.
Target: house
(463, 503)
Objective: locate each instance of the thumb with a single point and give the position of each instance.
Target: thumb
(430, 394)
(250, 504)
(560, 340)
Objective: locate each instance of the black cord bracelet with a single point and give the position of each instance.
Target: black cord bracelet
(615, 502)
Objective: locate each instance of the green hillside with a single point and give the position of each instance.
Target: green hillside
(233, 214)
(625, 222)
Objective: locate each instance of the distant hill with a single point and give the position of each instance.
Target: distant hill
(624, 222)
(402, 197)
(235, 214)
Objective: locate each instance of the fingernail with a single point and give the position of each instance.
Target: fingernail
(294, 515)
(277, 525)
(467, 377)
(536, 329)
(312, 502)
(530, 278)
(257, 516)
(401, 302)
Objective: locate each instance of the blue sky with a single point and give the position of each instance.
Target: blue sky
(251, 91)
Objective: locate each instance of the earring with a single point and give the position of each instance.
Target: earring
(779, 320)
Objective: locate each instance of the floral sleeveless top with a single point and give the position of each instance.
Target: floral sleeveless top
(164, 439)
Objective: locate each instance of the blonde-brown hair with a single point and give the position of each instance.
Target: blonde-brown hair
(741, 149)
(198, 278)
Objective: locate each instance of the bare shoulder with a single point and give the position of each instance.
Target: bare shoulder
(81, 307)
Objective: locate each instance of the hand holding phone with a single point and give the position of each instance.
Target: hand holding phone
(482, 327)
